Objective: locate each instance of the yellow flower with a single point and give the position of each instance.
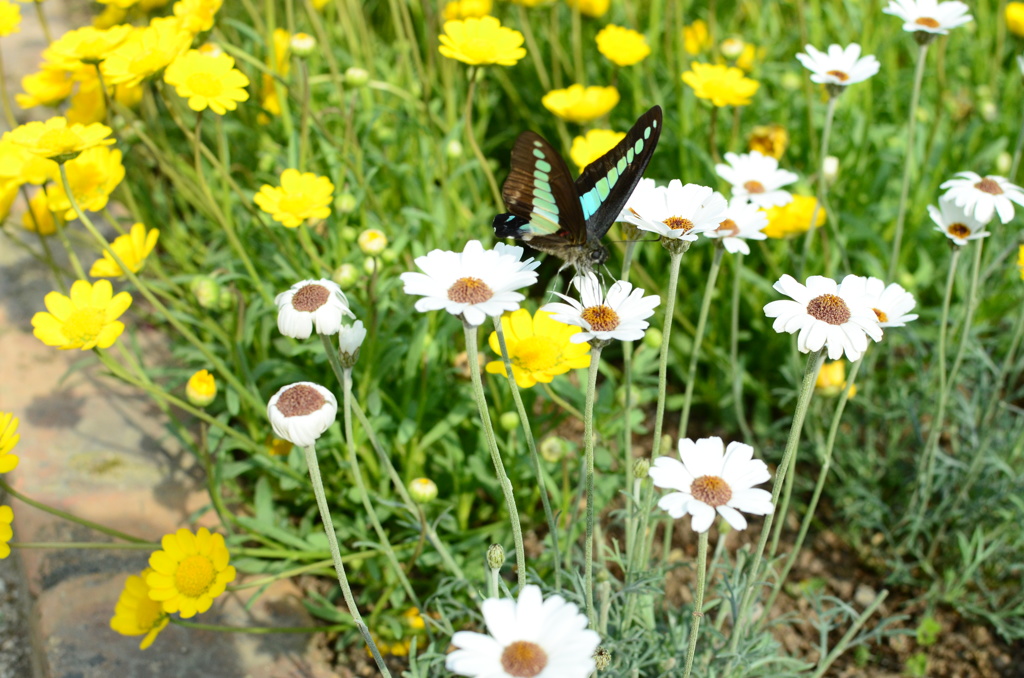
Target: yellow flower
(319, 4)
(6, 518)
(1015, 18)
(8, 192)
(793, 218)
(591, 8)
(531, 3)
(197, 15)
(201, 388)
(48, 87)
(456, 10)
(111, 16)
(205, 81)
(1020, 261)
(301, 197)
(538, 348)
(278, 447)
(93, 176)
(88, 105)
(282, 44)
(57, 140)
(136, 614)
(769, 140)
(190, 571)
(745, 61)
(832, 379)
(38, 218)
(722, 85)
(414, 619)
(8, 439)
(85, 46)
(10, 18)
(269, 100)
(133, 248)
(581, 104)
(88, 319)
(480, 42)
(622, 46)
(696, 38)
(146, 52)
(592, 145)
(19, 165)
(120, 4)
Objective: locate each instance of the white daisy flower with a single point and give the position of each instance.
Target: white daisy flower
(955, 223)
(712, 478)
(309, 303)
(892, 304)
(757, 178)
(350, 338)
(473, 284)
(529, 637)
(301, 412)
(840, 67)
(929, 16)
(742, 221)
(825, 315)
(1020, 63)
(621, 315)
(984, 196)
(675, 212)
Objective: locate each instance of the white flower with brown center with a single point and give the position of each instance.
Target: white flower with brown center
(824, 315)
(839, 67)
(984, 196)
(675, 212)
(892, 304)
(472, 284)
(528, 638)
(955, 223)
(756, 177)
(929, 16)
(309, 304)
(712, 479)
(742, 221)
(622, 314)
(301, 412)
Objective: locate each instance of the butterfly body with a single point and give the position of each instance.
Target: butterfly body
(554, 214)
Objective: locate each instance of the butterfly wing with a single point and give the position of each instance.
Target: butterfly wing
(606, 184)
(543, 207)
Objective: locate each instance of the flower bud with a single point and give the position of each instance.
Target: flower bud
(370, 265)
(1003, 163)
(210, 49)
(641, 467)
(495, 556)
(302, 44)
(201, 388)
(602, 658)
(350, 338)
(346, 202)
(509, 421)
(301, 412)
(732, 47)
(422, 490)
(356, 77)
(553, 449)
(831, 168)
(791, 81)
(389, 256)
(653, 338)
(453, 150)
(206, 291)
(346, 276)
(349, 234)
(372, 242)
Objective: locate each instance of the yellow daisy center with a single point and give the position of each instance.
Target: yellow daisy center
(536, 354)
(194, 576)
(469, 291)
(204, 84)
(958, 230)
(986, 185)
(927, 22)
(601, 318)
(829, 308)
(754, 186)
(678, 224)
(711, 490)
(83, 325)
(524, 659)
(839, 75)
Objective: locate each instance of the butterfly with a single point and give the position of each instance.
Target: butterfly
(553, 214)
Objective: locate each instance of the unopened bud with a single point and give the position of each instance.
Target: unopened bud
(372, 241)
(356, 77)
(732, 47)
(345, 275)
(495, 556)
(791, 81)
(602, 658)
(423, 490)
(653, 338)
(831, 168)
(201, 389)
(206, 291)
(509, 421)
(370, 265)
(346, 203)
(302, 44)
(1003, 163)
(641, 467)
(553, 449)
(453, 150)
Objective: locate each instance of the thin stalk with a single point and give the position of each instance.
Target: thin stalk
(43, 22)
(492, 445)
(562, 402)
(698, 604)
(262, 630)
(109, 531)
(531, 47)
(826, 134)
(844, 642)
(908, 162)
(339, 566)
(288, 574)
(712, 134)
(734, 356)
(1017, 151)
(5, 98)
(304, 94)
(577, 48)
(471, 136)
(588, 446)
(698, 337)
(627, 407)
(85, 545)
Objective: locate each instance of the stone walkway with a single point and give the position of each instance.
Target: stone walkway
(92, 447)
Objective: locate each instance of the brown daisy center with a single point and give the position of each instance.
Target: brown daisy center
(678, 224)
(927, 22)
(754, 186)
(601, 318)
(300, 400)
(711, 490)
(728, 227)
(470, 291)
(880, 314)
(524, 659)
(958, 230)
(839, 75)
(986, 185)
(829, 308)
(310, 298)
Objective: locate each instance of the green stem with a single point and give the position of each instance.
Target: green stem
(109, 531)
(304, 94)
(1017, 151)
(264, 630)
(577, 48)
(826, 134)
(492, 445)
(734, 356)
(627, 407)
(562, 402)
(844, 642)
(288, 574)
(5, 98)
(698, 604)
(43, 22)
(85, 545)
(471, 137)
(588, 445)
(539, 63)
(339, 566)
(698, 337)
(712, 134)
(908, 163)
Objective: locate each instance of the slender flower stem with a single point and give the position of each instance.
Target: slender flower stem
(577, 46)
(43, 22)
(844, 642)
(1017, 151)
(85, 545)
(109, 531)
(492, 446)
(304, 95)
(588, 446)
(734, 356)
(339, 566)
(260, 630)
(698, 603)
(698, 337)
(627, 408)
(814, 362)
(534, 51)
(826, 134)
(712, 133)
(908, 162)
(5, 98)
(524, 420)
(471, 136)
